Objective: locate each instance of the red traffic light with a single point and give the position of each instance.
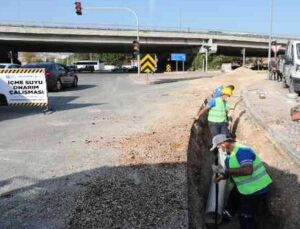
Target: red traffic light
(78, 8)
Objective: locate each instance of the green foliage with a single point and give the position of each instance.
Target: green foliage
(197, 63)
(107, 58)
(214, 61)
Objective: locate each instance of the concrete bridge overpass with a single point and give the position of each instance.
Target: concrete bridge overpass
(32, 38)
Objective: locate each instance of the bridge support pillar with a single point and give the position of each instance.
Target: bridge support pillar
(9, 56)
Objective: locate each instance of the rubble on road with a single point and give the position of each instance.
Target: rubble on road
(295, 113)
(142, 196)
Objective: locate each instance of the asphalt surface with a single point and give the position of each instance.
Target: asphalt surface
(48, 154)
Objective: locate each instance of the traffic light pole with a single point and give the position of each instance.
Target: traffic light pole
(270, 38)
(95, 8)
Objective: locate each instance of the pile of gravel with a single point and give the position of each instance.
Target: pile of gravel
(147, 196)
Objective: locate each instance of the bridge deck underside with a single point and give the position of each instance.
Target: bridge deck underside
(40, 46)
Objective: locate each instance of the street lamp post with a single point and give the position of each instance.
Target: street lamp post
(95, 8)
(270, 36)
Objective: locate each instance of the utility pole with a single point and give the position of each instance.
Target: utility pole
(11, 57)
(270, 37)
(95, 8)
(206, 60)
(244, 56)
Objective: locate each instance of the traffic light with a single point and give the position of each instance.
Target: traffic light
(135, 48)
(78, 8)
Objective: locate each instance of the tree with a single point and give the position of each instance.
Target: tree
(31, 57)
(198, 62)
(214, 61)
(107, 58)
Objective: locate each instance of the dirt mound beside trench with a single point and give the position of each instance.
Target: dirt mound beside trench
(240, 72)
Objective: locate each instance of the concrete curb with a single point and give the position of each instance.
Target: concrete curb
(273, 136)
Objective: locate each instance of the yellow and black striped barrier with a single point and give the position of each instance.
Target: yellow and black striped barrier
(168, 68)
(26, 104)
(22, 71)
(148, 64)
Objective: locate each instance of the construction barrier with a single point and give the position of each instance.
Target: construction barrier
(24, 87)
(168, 68)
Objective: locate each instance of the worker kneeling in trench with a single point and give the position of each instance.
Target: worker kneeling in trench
(249, 176)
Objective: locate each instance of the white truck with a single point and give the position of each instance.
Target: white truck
(290, 67)
(89, 65)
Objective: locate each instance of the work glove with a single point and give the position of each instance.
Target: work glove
(218, 169)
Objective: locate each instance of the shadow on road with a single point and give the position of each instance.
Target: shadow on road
(63, 103)
(56, 103)
(162, 81)
(139, 196)
(79, 88)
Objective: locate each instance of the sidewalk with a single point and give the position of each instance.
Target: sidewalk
(273, 114)
(159, 78)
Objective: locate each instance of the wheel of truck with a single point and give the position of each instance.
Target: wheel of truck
(75, 82)
(58, 86)
(3, 101)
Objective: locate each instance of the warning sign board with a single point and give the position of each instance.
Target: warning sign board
(24, 87)
(168, 68)
(148, 64)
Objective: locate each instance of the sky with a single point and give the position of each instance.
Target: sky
(214, 15)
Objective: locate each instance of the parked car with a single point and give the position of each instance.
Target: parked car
(72, 68)
(290, 67)
(57, 75)
(125, 69)
(120, 69)
(89, 65)
(109, 68)
(8, 66)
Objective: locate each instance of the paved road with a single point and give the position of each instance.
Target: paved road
(285, 132)
(36, 149)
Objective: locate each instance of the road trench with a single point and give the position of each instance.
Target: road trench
(279, 211)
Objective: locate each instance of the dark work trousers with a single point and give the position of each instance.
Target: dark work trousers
(216, 128)
(246, 206)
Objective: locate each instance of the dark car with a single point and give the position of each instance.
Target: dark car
(57, 75)
(72, 68)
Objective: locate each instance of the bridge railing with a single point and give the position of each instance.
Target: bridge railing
(124, 27)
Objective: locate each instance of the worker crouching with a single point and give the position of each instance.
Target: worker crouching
(250, 178)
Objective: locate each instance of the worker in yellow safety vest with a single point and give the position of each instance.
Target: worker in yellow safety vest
(250, 178)
(217, 113)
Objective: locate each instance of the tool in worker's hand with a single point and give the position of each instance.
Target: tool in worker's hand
(218, 169)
